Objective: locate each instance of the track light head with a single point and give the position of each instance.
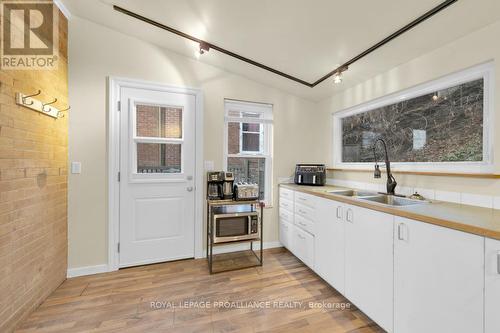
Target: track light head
(204, 47)
(337, 77)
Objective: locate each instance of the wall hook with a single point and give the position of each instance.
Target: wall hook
(45, 104)
(60, 113)
(28, 96)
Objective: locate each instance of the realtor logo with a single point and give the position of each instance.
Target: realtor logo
(30, 35)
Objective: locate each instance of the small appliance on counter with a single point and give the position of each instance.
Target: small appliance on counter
(232, 223)
(310, 174)
(227, 186)
(215, 182)
(246, 191)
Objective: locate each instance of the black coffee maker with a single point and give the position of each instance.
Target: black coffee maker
(215, 182)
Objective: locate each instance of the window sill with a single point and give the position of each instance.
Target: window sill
(427, 173)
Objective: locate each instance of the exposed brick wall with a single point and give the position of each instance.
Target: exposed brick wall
(33, 190)
(153, 121)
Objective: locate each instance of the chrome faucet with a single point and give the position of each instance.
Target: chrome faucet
(391, 182)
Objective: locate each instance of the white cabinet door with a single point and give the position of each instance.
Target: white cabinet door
(303, 246)
(438, 279)
(329, 243)
(492, 287)
(369, 263)
(285, 231)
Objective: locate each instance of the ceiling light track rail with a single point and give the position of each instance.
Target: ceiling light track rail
(336, 71)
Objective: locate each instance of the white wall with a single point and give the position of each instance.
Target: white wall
(475, 48)
(96, 52)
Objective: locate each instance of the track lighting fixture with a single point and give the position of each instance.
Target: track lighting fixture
(337, 76)
(204, 47)
(337, 72)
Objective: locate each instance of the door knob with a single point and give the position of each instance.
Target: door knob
(190, 189)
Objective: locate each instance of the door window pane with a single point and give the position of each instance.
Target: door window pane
(158, 158)
(159, 122)
(250, 170)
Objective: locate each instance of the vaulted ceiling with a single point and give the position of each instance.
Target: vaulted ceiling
(303, 38)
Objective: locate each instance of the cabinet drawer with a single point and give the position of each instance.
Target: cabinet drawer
(305, 211)
(285, 234)
(286, 216)
(286, 194)
(286, 204)
(303, 246)
(305, 199)
(492, 287)
(305, 224)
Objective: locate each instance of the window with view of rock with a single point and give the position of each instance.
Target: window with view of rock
(248, 128)
(441, 125)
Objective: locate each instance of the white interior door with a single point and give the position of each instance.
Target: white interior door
(157, 167)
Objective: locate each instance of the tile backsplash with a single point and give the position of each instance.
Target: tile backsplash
(464, 198)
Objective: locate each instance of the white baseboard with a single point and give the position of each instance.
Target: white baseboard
(245, 246)
(87, 270)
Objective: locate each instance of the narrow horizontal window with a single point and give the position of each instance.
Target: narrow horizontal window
(440, 124)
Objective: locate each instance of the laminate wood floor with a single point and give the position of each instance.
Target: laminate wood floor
(272, 298)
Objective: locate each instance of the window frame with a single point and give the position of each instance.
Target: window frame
(134, 140)
(484, 71)
(266, 131)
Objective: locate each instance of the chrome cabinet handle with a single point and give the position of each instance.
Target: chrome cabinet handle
(348, 216)
(190, 189)
(400, 237)
(401, 231)
(339, 212)
(302, 212)
(498, 262)
(300, 236)
(302, 224)
(303, 199)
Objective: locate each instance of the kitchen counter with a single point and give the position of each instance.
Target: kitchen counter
(475, 220)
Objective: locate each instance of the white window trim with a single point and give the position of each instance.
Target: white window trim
(267, 131)
(485, 71)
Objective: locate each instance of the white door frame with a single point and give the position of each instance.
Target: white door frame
(114, 86)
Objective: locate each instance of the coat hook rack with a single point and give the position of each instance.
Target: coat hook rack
(34, 104)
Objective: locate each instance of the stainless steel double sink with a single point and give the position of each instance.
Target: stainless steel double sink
(384, 199)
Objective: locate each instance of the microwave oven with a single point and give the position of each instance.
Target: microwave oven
(234, 223)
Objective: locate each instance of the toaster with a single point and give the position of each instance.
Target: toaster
(310, 174)
(246, 191)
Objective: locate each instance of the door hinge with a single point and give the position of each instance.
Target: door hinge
(118, 247)
(118, 175)
(119, 105)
